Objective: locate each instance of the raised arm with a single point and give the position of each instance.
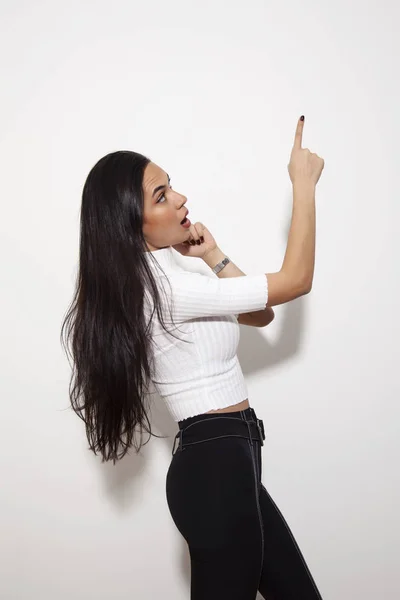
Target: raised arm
(296, 274)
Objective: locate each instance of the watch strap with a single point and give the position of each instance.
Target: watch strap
(221, 265)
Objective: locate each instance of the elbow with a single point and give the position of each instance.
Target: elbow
(269, 316)
(306, 287)
(269, 321)
(284, 287)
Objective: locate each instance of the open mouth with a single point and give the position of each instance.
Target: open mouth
(186, 223)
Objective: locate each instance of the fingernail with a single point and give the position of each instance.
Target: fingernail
(198, 242)
(202, 238)
(302, 118)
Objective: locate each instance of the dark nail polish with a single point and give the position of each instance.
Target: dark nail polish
(302, 118)
(198, 242)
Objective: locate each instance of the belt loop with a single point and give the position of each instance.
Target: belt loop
(173, 446)
(180, 433)
(248, 427)
(180, 445)
(260, 426)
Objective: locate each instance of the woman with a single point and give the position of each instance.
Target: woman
(137, 318)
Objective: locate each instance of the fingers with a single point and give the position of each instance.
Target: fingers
(196, 231)
(298, 138)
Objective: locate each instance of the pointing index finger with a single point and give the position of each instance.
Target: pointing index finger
(298, 138)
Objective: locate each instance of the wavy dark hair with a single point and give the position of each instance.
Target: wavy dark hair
(105, 331)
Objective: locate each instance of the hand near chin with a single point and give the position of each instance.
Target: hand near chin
(199, 243)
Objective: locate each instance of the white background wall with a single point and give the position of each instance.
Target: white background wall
(211, 91)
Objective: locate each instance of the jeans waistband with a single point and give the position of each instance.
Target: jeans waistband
(211, 426)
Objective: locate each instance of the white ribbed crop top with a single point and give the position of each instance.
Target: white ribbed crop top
(205, 373)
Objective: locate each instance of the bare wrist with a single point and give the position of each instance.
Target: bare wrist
(306, 185)
(303, 191)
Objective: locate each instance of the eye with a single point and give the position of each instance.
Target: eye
(162, 196)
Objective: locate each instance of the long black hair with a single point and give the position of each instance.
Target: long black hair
(105, 330)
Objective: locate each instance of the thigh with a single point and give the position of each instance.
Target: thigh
(285, 575)
(212, 497)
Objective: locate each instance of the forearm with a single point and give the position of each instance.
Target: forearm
(299, 260)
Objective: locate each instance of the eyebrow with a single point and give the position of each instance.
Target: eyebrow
(160, 187)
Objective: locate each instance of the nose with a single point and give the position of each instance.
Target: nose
(184, 200)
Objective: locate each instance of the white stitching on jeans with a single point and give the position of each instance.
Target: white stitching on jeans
(258, 510)
(213, 419)
(222, 436)
(295, 544)
(183, 447)
(180, 432)
(251, 447)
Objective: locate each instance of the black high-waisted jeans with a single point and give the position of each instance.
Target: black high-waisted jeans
(238, 540)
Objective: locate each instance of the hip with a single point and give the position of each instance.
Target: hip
(215, 473)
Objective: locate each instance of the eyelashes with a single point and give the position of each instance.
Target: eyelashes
(162, 195)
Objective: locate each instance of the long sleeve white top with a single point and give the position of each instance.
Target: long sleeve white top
(196, 369)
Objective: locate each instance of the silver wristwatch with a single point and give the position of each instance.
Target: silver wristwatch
(221, 265)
